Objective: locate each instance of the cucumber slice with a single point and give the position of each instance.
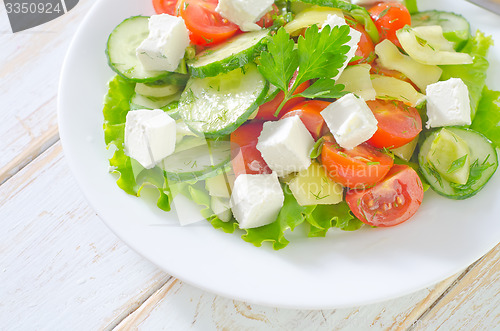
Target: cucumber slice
(156, 91)
(455, 27)
(140, 101)
(306, 18)
(231, 55)
(449, 154)
(216, 106)
(120, 51)
(483, 164)
(426, 51)
(199, 162)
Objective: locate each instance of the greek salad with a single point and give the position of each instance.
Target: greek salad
(270, 115)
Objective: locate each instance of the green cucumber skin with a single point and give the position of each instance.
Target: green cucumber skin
(459, 37)
(228, 127)
(199, 175)
(160, 77)
(434, 182)
(228, 64)
(242, 119)
(207, 172)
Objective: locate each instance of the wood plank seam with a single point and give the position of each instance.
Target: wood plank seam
(136, 317)
(413, 326)
(124, 315)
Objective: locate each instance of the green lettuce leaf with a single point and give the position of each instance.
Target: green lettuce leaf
(487, 120)
(325, 217)
(132, 177)
(196, 192)
(473, 75)
(291, 215)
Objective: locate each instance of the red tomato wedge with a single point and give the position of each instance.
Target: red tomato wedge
(267, 20)
(206, 25)
(398, 123)
(309, 113)
(267, 110)
(245, 157)
(389, 17)
(165, 7)
(366, 49)
(360, 167)
(391, 202)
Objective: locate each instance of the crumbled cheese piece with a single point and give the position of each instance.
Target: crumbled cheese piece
(350, 120)
(286, 145)
(256, 200)
(448, 103)
(166, 44)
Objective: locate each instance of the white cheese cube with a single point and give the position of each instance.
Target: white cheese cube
(150, 136)
(166, 44)
(448, 103)
(286, 145)
(256, 200)
(244, 13)
(334, 20)
(350, 120)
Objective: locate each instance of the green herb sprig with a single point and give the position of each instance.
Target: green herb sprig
(318, 56)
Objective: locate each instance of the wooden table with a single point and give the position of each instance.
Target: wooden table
(61, 268)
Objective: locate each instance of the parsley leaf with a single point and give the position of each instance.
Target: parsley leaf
(319, 55)
(281, 60)
(324, 88)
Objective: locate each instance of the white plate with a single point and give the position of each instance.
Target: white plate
(342, 270)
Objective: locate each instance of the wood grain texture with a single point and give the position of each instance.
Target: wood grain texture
(472, 304)
(62, 269)
(29, 75)
(178, 306)
(60, 266)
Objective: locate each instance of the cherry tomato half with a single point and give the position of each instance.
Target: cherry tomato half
(391, 202)
(309, 113)
(206, 25)
(267, 110)
(267, 20)
(360, 167)
(165, 6)
(245, 157)
(389, 17)
(398, 123)
(366, 49)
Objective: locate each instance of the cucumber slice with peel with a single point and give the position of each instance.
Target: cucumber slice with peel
(199, 162)
(121, 47)
(231, 55)
(483, 162)
(455, 27)
(216, 106)
(449, 154)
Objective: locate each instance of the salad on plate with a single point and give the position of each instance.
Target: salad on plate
(266, 116)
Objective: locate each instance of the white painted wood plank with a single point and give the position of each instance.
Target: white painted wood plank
(61, 268)
(29, 75)
(473, 304)
(177, 306)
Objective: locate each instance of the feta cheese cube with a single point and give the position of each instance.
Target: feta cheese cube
(334, 20)
(286, 145)
(448, 103)
(244, 13)
(256, 200)
(150, 136)
(166, 44)
(350, 120)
